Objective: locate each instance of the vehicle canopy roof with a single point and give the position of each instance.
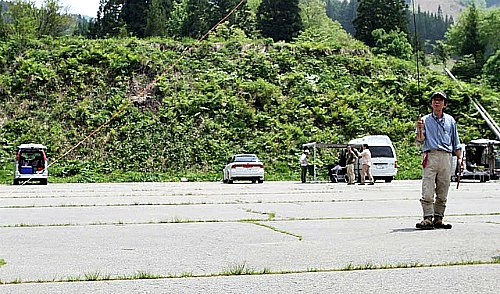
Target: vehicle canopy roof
(484, 142)
(32, 146)
(323, 145)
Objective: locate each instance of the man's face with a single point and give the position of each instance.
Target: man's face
(438, 103)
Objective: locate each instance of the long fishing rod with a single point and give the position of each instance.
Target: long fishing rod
(416, 47)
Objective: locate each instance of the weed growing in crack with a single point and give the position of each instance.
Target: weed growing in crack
(141, 275)
(238, 269)
(95, 276)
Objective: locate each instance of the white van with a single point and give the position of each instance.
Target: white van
(384, 160)
(31, 164)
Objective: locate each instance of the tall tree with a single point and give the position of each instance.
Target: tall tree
(394, 43)
(196, 23)
(22, 21)
(134, 14)
(109, 21)
(157, 18)
(344, 12)
(242, 18)
(279, 19)
(313, 13)
(472, 43)
(490, 26)
(3, 25)
(389, 15)
(464, 37)
(178, 17)
(52, 21)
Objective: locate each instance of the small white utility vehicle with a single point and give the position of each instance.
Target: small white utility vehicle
(31, 164)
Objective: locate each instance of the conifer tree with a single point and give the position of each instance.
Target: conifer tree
(157, 17)
(109, 21)
(196, 23)
(279, 19)
(472, 43)
(134, 13)
(389, 15)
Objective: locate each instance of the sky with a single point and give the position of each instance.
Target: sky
(83, 7)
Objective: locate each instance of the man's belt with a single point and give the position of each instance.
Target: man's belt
(437, 150)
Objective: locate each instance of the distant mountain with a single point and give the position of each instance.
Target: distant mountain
(449, 7)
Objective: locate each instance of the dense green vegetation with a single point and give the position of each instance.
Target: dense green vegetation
(221, 98)
(168, 110)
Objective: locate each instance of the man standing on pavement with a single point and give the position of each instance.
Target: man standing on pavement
(438, 133)
(350, 161)
(303, 165)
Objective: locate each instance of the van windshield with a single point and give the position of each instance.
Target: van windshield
(381, 151)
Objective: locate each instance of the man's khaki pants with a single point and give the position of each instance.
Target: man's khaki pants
(350, 173)
(436, 177)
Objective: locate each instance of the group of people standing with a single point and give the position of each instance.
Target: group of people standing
(352, 155)
(366, 163)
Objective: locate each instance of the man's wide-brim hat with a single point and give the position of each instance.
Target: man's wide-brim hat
(439, 94)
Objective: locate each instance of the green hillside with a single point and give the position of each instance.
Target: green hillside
(221, 98)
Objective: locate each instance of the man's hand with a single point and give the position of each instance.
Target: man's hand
(420, 127)
(460, 164)
(420, 122)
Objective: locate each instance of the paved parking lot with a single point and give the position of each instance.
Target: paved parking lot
(287, 237)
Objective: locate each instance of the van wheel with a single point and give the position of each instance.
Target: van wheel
(229, 181)
(388, 180)
(43, 182)
(16, 182)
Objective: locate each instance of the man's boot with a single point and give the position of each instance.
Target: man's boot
(438, 223)
(426, 224)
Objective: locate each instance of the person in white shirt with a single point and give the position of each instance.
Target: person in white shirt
(303, 165)
(366, 161)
